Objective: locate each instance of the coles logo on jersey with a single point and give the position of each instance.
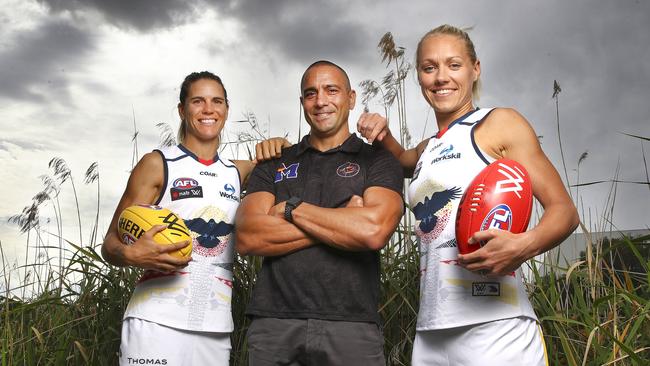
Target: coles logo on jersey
(185, 188)
(288, 172)
(500, 217)
(229, 192)
(348, 170)
(446, 154)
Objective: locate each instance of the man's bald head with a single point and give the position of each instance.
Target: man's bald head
(325, 63)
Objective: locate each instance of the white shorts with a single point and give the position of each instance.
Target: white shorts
(147, 343)
(515, 341)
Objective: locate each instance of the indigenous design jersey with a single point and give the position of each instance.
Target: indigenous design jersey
(205, 195)
(451, 296)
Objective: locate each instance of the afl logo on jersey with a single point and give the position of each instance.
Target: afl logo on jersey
(348, 170)
(500, 217)
(185, 183)
(185, 188)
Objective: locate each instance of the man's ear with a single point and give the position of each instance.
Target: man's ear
(353, 98)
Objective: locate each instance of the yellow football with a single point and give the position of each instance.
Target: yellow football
(134, 221)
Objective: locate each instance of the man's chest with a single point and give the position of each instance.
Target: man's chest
(326, 180)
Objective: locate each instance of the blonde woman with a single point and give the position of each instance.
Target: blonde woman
(459, 323)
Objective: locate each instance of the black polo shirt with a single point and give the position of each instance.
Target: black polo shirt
(322, 282)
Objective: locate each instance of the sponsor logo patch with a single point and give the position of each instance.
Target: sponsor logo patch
(185, 183)
(447, 150)
(209, 174)
(486, 289)
(229, 192)
(287, 172)
(435, 146)
(348, 170)
(446, 157)
(499, 217)
(185, 188)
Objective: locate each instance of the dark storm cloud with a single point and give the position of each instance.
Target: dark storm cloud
(600, 65)
(298, 31)
(142, 15)
(306, 30)
(598, 53)
(36, 64)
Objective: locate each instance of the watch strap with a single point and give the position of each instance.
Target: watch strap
(289, 206)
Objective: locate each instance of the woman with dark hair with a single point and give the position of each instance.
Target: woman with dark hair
(459, 322)
(180, 310)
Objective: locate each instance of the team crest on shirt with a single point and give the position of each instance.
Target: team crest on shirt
(211, 230)
(287, 172)
(185, 188)
(431, 213)
(348, 170)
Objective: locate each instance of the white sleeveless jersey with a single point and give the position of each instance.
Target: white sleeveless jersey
(205, 195)
(451, 296)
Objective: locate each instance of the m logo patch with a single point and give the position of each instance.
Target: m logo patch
(288, 172)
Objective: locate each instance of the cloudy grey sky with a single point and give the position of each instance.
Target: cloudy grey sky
(74, 75)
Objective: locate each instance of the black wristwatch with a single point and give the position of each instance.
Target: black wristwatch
(291, 204)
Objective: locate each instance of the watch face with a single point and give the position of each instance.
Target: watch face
(294, 201)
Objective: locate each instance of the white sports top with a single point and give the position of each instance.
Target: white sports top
(205, 195)
(451, 296)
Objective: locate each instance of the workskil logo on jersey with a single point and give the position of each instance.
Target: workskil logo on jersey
(446, 154)
(229, 192)
(185, 188)
(287, 172)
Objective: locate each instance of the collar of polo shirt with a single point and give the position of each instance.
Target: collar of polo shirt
(352, 144)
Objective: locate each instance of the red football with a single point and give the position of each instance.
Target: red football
(499, 197)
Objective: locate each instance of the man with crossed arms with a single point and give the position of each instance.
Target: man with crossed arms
(319, 215)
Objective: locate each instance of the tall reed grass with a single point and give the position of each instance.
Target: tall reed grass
(67, 308)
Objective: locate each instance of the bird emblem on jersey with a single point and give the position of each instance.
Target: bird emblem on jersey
(209, 231)
(426, 211)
